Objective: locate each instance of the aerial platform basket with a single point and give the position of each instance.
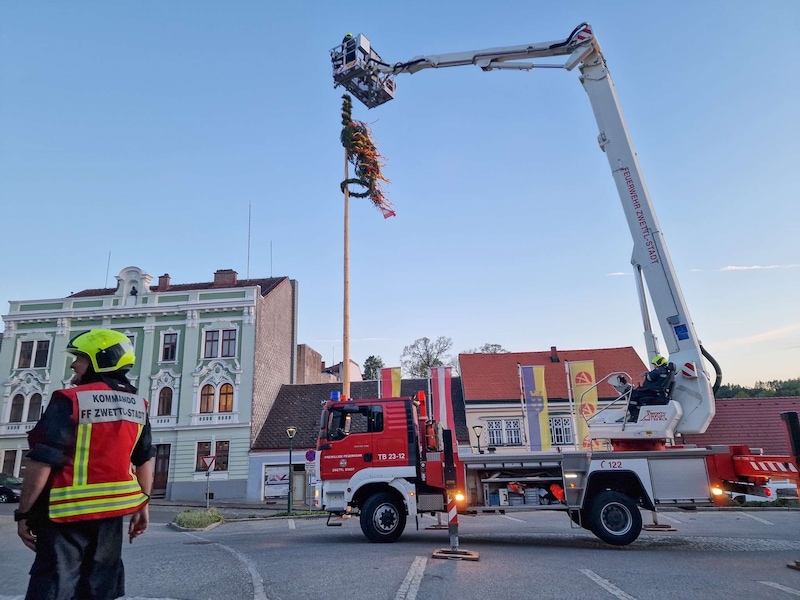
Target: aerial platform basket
(360, 70)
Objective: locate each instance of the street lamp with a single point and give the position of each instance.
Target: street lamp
(290, 431)
(478, 430)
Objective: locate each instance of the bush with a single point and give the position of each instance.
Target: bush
(198, 519)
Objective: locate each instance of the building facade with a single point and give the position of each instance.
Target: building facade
(211, 358)
(493, 393)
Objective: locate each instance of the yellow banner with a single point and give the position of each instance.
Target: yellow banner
(544, 415)
(581, 376)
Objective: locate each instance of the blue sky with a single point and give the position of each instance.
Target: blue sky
(147, 129)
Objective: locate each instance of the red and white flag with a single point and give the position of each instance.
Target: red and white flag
(439, 390)
(389, 379)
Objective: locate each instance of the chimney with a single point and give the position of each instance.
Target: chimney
(163, 283)
(225, 278)
(554, 354)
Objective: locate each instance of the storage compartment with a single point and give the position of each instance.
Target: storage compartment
(532, 496)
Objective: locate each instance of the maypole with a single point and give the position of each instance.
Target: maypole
(360, 150)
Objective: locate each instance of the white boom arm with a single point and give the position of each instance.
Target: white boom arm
(372, 81)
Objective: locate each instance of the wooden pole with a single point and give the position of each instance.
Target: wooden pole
(346, 320)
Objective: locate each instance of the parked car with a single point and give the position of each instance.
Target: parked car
(774, 490)
(10, 488)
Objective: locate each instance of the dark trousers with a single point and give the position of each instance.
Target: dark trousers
(641, 398)
(78, 561)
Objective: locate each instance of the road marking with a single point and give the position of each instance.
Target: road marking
(606, 585)
(759, 519)
(291, 524)
(512, 519)
(782, 588)
(673, 519)
(410, 586)
(258, 583)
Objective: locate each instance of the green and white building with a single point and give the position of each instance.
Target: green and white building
(211, 357)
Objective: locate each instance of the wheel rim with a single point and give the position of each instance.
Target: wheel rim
(386, 518)
(616, 518)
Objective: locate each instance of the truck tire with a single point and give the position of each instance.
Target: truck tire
(383, 518)
(615, 518)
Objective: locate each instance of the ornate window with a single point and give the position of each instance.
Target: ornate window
(35, 408)
(226, 397)
(165, 401)
(207, 399)
(216, 388)
(17, 406)
(164, 388)
(27, 389)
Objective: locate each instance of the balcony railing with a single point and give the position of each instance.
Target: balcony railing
(223, 418)
(16, 428)
(163, 421)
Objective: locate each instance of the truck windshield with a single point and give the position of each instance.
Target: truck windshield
(345, 421)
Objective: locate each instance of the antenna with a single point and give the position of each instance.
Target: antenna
(108, 266)
(249, 207)
(270, 258)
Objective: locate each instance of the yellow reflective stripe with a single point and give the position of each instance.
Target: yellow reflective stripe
(71, 509)
(81, 464)
(94, 489)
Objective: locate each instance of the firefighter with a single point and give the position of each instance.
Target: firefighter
(349, 45)
(79, 483)
(655, 388)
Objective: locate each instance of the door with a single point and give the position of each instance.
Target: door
(161, 471)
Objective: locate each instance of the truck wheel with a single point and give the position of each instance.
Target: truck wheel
(383, 518)
(615, 519)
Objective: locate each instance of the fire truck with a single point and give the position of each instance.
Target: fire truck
(388, 459)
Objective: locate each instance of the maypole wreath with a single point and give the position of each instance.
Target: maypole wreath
(364, 156)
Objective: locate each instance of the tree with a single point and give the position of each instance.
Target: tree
(761, 389)
(372, 367)
(487, 349)
(423, 354)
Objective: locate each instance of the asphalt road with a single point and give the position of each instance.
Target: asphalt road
(726, 554)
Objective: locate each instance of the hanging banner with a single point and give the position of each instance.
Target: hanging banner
(439, 389)
(389, 379)
(581, 375)
(535, 403)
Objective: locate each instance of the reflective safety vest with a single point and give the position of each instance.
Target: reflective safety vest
(100, 482)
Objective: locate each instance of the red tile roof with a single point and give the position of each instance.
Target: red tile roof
(495, 376)
(754, 422)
